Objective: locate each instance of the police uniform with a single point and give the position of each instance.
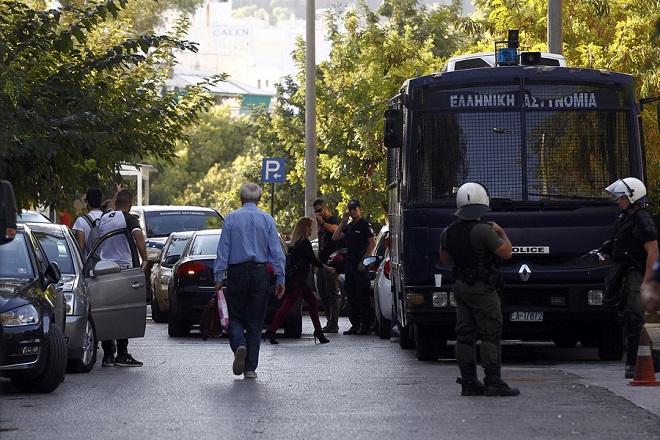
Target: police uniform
(356, 283)
(478, 309)
(623, 283)
(474, 247)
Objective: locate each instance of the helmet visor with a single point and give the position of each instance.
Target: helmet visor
(471, 212)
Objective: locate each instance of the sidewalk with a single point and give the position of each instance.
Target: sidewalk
(609, 375)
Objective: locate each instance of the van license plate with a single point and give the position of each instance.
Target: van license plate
(527, 316)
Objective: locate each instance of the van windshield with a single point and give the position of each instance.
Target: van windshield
(163, 223)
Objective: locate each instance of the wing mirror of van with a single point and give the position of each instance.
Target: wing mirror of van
(7, 212)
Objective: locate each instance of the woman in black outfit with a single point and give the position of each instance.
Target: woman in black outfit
(300, 257)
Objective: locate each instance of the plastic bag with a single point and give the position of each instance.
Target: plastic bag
(223, 312)
(210, 322)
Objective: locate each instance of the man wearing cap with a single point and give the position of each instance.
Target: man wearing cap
(632, 251)
(477, 248)
(360, 243)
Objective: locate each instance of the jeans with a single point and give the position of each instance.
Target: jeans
(247, 300)
(293, 293)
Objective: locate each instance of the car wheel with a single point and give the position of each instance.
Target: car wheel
(157, 315)
(90, 347)
(53, 374)
(293, 322)
(384, 327)
(405, 341)
(177, 328)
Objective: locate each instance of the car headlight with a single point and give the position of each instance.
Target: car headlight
(25, 315)
(69, 303)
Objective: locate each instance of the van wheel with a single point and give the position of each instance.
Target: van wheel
(90, 347)
(610, 344)
(53, 373)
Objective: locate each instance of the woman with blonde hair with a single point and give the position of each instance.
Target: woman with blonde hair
(301, 255)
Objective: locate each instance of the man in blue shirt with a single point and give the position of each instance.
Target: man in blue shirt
(249, 241)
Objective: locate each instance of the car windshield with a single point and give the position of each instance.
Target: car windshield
(176, 246)
(56, 249)
(15, 260)
(31, 217)
(163, 223)
(205, 245)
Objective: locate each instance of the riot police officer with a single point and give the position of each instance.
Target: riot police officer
(632, 251)
(477, 248)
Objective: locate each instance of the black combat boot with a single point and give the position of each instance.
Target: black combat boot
(471, 386)
(495, 386)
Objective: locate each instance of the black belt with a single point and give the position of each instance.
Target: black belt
(248, 264)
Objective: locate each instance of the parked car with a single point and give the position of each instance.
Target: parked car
(32, 313)
(159, 221)
(192, 283)
(26, 216)
(161, 273)
(102, 302)
(383, 298)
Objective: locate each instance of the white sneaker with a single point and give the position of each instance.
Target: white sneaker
(239, 360)
(250, 375)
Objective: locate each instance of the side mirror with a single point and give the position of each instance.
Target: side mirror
(153, 254)
(7, 212)
(371, 261)
(393, 136)
(172, 259)
(105, 267)
(53, 273)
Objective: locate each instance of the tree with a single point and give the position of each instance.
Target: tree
(372, 53)
(215, 142)
(72, 110)
(616, 35)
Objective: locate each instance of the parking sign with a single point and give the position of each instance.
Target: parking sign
(272, 170)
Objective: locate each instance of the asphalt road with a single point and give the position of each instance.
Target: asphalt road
(355, 387)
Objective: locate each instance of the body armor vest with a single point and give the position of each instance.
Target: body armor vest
(630, 233)
(468, 264)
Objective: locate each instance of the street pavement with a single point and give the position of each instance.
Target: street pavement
(609, 375)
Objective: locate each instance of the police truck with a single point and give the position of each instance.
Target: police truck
(545, 140)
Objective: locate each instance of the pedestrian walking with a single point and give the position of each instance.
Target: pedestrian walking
(360, 243)
(301, 257)
(327, 283)
(632, 251)
(477, 248)
(249, 241)
(117, 249)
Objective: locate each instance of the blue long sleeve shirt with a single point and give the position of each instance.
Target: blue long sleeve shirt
(249, 234)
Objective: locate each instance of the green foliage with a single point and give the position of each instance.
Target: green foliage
(71, 109)
(215, 142)
(617, 35)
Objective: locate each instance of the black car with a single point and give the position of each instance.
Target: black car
(192, 285)
(33, 351)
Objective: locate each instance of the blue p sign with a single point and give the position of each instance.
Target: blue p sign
(272, 170)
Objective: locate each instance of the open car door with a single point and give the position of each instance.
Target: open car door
(117, 295)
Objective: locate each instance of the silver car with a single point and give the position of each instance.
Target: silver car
(102, 301)
(161, 273)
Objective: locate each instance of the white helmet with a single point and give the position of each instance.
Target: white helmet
(631, 187)
(472, 201)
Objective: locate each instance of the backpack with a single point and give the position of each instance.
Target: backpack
(94, 233)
